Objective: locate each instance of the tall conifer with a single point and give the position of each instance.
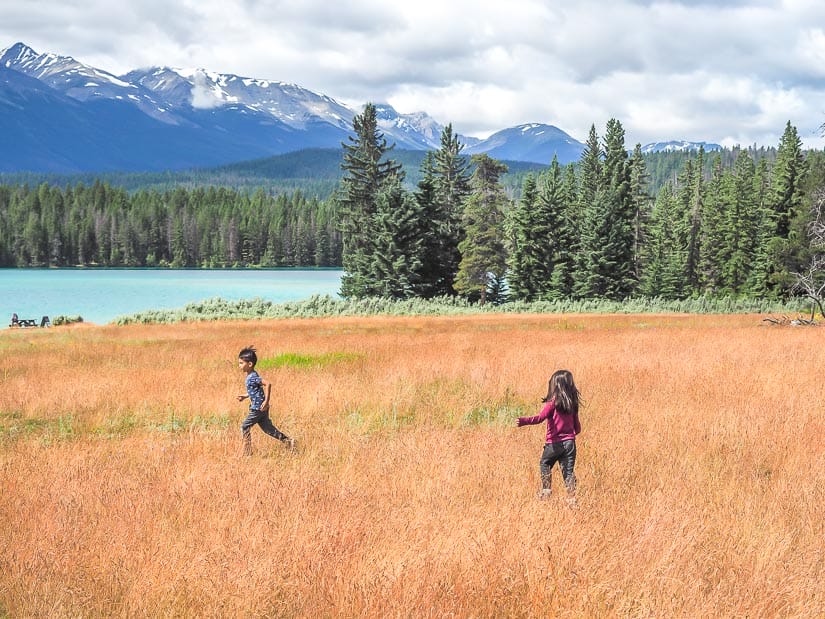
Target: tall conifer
(483, 257)
(442, 191)
(366, 173)
(527, 257)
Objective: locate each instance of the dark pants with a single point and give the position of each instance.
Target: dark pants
(565, 454)
(262, 419)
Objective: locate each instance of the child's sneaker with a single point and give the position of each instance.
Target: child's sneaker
(291, 444)
(544, 494)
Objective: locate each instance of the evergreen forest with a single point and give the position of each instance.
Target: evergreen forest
(617, 224)
(101, 225)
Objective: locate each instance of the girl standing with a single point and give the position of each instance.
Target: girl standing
(561, 410)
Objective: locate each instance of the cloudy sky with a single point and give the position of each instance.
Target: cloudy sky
(731, 72)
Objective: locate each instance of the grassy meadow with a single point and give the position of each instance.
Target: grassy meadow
(701, 469)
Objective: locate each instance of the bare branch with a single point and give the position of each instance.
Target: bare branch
(816, 227)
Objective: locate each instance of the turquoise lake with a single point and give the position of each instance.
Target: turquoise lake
(100, 295)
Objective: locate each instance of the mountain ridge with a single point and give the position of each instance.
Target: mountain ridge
(81, 118)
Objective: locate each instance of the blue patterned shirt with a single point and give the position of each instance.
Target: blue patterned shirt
(255, 390)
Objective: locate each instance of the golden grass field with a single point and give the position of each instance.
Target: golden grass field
(701, 470)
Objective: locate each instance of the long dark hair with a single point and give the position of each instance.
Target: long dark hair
(563, 389)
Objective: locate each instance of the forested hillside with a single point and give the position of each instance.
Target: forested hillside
(613, 225)
(743, 225)
(101, 225)
(314, 172)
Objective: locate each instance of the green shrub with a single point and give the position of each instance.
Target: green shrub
(320, 306)
(66, 320)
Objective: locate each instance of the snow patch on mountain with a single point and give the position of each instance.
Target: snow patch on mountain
(535, 142)
(672, 146)
(415, 131)
(188, 116)
(56, 70)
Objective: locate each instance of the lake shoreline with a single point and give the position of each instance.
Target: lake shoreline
(101, 295)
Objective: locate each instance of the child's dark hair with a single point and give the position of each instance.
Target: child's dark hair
(563, 389)
(248, 354)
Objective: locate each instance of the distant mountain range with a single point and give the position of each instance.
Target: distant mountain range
(59, 115)
(675, 146)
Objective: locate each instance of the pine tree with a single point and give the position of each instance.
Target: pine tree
(739, 225)
(666, 248)
(712, 231)
(617, 178)
(452, 186)
(442, 189)
(483, 257)
(588, 214)
(786, 210)
(366, 174)
(527, 255)
(605, 268)
(397, 240)
(640, 201)
(694, 211)
(568, 235)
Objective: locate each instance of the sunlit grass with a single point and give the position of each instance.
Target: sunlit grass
(701, 471)
(298, 360)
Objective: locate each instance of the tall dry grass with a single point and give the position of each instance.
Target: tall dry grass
(701, 470)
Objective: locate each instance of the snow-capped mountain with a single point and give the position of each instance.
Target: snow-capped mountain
(77, 80)
(416, 131)
(678, 146)
(58, 114)
(169, 118)
(64, 74)
(293, 105)
(530, 142)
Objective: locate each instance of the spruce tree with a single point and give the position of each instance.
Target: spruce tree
(568, 235)
(640, 201)
(483, 257)
(712, 231)
(786, 210)
(787, 187)
(452, 186)
(605, 268)
(694, 210)
(665, 251)
(554, 233)
(443, 187)
(739, 227)
(588, 214)
(621, 238)
(761, 231)
(527, 255)
(430, 277)
(366, 173)
(397, 239)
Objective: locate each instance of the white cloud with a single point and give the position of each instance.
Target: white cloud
(202, 95)
(716, 71)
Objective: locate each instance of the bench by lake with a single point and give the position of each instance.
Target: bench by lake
(100, 295)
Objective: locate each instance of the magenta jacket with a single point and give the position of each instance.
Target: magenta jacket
(560, 427)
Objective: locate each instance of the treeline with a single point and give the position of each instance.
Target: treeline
(731, 223)
(616, 224)
(312, 172)
(101, 225)
(735, 226)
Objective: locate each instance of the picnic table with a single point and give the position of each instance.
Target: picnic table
(29, 322)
